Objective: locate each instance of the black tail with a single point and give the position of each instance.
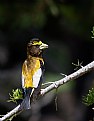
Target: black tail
(26, 103)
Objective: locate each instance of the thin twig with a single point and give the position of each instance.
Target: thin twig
(54, 85)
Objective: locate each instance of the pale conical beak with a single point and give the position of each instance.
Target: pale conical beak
(43, 46)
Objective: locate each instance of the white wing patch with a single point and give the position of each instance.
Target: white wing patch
(23, 81)
(36, 77)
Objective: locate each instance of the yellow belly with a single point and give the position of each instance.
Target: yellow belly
(28, 82)
(28, 73)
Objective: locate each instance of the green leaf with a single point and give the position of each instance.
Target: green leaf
(17, 94)
(89, 98)
(92, 32)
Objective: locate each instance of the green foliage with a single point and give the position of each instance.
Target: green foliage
(92, 32)
(89, 98)
(17, 94)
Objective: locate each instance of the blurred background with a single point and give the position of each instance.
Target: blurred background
(65, 25)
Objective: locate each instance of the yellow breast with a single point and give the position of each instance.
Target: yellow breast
(28, 71)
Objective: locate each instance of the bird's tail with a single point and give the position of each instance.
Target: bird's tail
(26, 103)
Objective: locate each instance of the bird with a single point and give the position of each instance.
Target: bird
(32, 71)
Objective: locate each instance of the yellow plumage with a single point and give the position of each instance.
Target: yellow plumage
(29, 69)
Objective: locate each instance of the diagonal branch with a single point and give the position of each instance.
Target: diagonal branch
(70, 77)
(55, 84)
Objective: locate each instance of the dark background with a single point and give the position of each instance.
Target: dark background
(65, 25)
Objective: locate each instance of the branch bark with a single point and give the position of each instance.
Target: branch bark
(55, 85)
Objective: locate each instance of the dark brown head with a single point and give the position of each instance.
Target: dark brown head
(35, 47)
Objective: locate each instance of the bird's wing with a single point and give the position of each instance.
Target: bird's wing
(23, 80)
(36, 77)
(23, 73)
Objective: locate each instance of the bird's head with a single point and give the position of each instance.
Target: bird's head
(35, 47)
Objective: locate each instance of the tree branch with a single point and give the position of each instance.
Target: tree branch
(55, 84)
(70, 77)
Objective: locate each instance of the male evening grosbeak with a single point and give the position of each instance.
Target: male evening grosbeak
(32, 70)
